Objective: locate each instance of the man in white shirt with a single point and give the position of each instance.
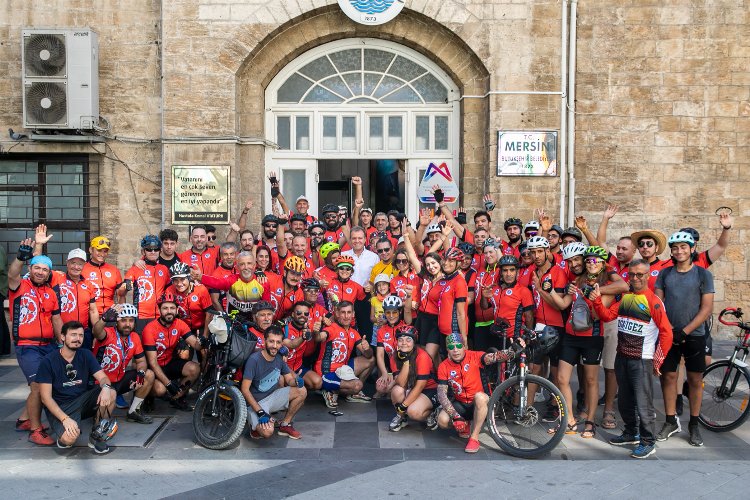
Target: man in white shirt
(364, 259)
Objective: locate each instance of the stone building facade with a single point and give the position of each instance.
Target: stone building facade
(662, 101)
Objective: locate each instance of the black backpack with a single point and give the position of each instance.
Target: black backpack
(580, 315)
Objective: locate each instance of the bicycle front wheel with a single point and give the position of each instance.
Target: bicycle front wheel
(521, 432)
(726, 396)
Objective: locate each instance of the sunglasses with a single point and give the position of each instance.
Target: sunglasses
(151, 249)
(639, 276)
(345, 268)
(525, 254)
(102, 241)
(402, 261)
(317, 234)
(531, 233)
(302, 313)
(646, 243)
(454, 346)
(212, 238)
(271, 226)
(70, 371)
(592, 260)
(312, 290)
(384, 250)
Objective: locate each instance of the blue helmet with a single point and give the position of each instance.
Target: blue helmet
(150, 241)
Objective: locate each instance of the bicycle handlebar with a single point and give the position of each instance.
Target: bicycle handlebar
(736, 312)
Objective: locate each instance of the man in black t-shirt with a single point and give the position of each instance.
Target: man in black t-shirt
(63, 377)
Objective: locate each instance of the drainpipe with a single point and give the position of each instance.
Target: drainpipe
(161, 125)
(572, 113)
(563, 118)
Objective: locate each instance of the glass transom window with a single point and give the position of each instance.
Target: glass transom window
(362, 76)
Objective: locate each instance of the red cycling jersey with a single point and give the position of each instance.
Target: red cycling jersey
(192, 305)
(163, 339)
(284, 300)
(337, 348)
(398, 283)
(105, 278)
(487, 277)
(351, 290)
(510, 304)
(546, 313)
(207, 260)
(114, 353)
(447, 295)
(464, 379)
(656, 268)
(508, 249)
(222, 273)
(31, 309)
(75, 298)
(386, 338)
(148, 285)
(424, 366)
(294, 359)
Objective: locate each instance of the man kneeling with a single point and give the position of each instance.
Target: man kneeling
(263, 393)
(462, 372)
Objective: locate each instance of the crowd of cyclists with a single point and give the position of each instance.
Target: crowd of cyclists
(363, 306)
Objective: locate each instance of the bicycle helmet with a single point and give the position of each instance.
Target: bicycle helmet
(166, 296)
(574, 232)
(454, 253)
(317, 224)
(491, 242)
(573, 249)
(407, 331)
(327, 248)
(681, 237)
(433, 228)
(508, 260)
(310, 283)
(692, 232)
(537, 242)
(262, 305)
(345, 260)
(596, 251)
(547, 338)
(330, 208)
(179, 270)
(392, 302)
(556, 228)
(298, 218)
(127, 311)
(532, 225)
(269, 218)
(513, 221)
(150, 241)
(467, 248)
(104, 430)
(295, 263)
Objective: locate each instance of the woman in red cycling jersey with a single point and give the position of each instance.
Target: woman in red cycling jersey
(263, 264)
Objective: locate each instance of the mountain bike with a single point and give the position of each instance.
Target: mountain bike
(220, 411)
(726, 383)
(514, 419)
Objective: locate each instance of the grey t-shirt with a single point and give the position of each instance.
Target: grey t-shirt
(682, 295)
(264, 374)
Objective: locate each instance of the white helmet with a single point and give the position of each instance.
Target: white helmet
(433, 228)
(392, 302)
(533, 225)
(127, 311)
(537, 242)
(681, 237)
(572, 249)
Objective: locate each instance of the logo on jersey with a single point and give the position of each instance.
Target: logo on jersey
(67, 300)
(107, 274)
(207, 256)
(147, 273)
(466, 367)
(145, 290)
(339, 352)
(160, 349)
(29, 311)
(194, 298)
(349, 290)
(111, 359)
(509, 291)
(160, 272)
(654, 273)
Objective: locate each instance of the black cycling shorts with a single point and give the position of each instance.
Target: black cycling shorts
(126, 383)
(466, 410)
(427, 326)
(173, 369)
(581, 350)
(709, 345)
(694, 352)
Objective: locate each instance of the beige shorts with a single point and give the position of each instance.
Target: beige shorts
(610, 345)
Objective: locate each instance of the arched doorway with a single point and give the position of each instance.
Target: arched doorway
(360, 107)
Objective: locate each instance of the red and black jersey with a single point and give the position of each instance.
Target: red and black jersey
(105, 278)
(337, 349)
(464, 379)
(148, 285)
(75, 298)
(351, 290)
(207, 260)
(656, 268)
(283, 300)
(487, 277)
(546, 313)
(424, 366)
(507, 249)
(222, 272)
(447, 295)
(510, 304)
(163, 339)
(31, 309)
(294, 359)
(386, 338)
(192, 305)
(115, 352)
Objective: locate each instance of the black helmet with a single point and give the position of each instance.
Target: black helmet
(317, 224)
(467, 248)
(263, 305)
(692, 232)
(574, 232)
(547, 339)
(269, 218)
(310, 283)
(330, 208)
(298, 217)
(513, 221)
(508, 260)
(557, 228)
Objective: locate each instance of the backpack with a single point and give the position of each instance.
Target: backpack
(580, 315)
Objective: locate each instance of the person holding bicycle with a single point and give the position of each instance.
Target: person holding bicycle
(461, 391)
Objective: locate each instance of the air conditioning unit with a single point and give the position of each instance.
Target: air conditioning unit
(60, 78)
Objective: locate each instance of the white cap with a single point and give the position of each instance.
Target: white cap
(77, 253)
(302, 197)
(382, 278)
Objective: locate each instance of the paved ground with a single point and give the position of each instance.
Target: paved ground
(354, 456)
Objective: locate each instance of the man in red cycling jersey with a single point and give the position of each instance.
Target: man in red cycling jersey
(105, 277)
(160, 337)
(114, 348)
(193, 300)
(77, 297)
(467, 400)
(199, 254)
(651, 243)
(35, 329)
(149, 281)
(510, 301)
(512, 228)
(227, 257)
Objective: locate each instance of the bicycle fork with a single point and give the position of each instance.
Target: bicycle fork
(738, 365)
(522, 384)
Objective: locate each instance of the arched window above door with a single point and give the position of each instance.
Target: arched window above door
(362, 75)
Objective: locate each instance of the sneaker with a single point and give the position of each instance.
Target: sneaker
(255, 435)
(679, 405)
(181, 404)
(601, 401)
(398, 423)
(23, 425)
(331, 399)
(643, 451)
(99, 447)
(148, 405)
(668, 430)
(40, 437)
(625, 439)
(695, 436)
(63, 446)
(431, 422)
(121, 403)
(360, 397)
(552, 414)
(138, 417)
(472, 446)
(290, 431)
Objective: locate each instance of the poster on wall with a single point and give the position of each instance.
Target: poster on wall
(527, 152)
(437, 174)
(200, 194)
(371, 12)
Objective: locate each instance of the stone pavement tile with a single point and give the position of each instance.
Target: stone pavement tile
(356, 435)
(448, 438)
(700, 454)
(14, 390)
(339, 454)
(385, 410)
(313, 410)
(356, 412)
(12, 374)
(456, 453)
(314, 435)
(407, 437)
(10, 409)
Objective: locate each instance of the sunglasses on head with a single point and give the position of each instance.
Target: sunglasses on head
(452, 346)
(646, 243)
(384, 250)
(70, 371)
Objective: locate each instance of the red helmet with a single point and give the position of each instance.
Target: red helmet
(407, 331)
(345, 260)
(454, 253)
(167, 296)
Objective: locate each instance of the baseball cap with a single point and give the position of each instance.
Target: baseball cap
(76, 253)
(302, 197)
(100, 242)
